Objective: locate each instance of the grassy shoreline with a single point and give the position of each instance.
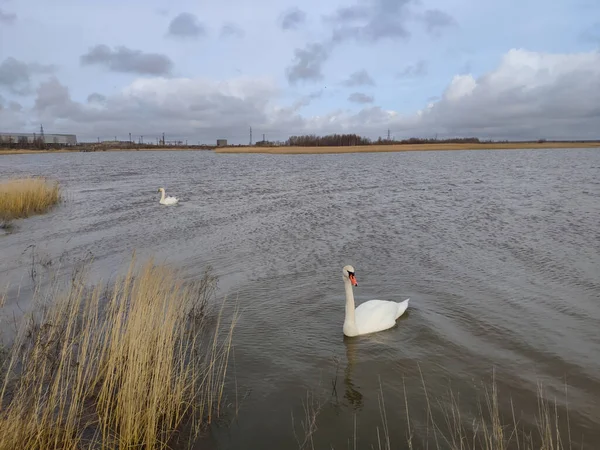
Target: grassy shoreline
(25, 151)
(134, 364)
(295, 150)
(408, 147)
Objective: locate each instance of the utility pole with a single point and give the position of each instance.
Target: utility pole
(130, 138)
(250, 135)
(388, 134)
(263, 137)
(163, 138)
(98, 139)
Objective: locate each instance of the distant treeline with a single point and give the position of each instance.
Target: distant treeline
(343, 140)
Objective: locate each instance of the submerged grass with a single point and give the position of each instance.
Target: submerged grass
(129, 366)
(24, 197)
(452, 427)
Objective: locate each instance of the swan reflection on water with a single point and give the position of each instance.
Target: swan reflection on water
(351, 393)
(353, 348)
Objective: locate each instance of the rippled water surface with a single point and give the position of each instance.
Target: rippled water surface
(499, 252)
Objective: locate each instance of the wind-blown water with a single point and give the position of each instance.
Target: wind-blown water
(499, 252)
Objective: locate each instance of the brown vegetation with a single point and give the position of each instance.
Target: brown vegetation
(23, 197)
(289, 150)
(127, 367)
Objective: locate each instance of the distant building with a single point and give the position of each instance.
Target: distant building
(221, 142)
(29, 138)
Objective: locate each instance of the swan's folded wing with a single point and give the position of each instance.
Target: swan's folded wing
(375, 315)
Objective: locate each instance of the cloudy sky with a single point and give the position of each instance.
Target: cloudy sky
(200, 70)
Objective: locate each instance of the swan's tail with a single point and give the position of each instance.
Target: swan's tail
(402, 307)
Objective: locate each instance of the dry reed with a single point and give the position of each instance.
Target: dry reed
(292, 150)
(126, 367)
(23, 197)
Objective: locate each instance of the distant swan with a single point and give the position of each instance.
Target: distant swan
(166, 200)
(370, 316)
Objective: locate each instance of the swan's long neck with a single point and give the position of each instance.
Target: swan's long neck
(162, 195)
(349, 303)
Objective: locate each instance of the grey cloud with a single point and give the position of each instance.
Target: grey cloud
(418, 69)
(436, 20)
(507, 103)
(186, 25)
(308, 63)
(231, 30)
(207, 109)
(52, 94)
(96, 98)
(306, 100)
(465, 68)
(123, 59)
(592, 34)
(17, 75)
(375, 20)
(359, 78)
(292, 19)
(359, 97)
(7, 18)
(15, 106)
(369, 22)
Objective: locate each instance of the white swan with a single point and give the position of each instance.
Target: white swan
(370, 316)
(166, 200)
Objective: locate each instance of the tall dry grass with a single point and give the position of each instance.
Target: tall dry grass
(23, 197)
(456, 428)
(452, 426)
(129, 366)
(294, 150)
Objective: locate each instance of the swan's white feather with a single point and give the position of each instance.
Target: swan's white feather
(167, 200)
(378, 315)
(370, 316)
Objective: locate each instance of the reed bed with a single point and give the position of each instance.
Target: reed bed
(375, 148)
(24, 197)
(132, 365)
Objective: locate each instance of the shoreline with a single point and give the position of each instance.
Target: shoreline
(409, 148)
(28, 151)
(374, 148)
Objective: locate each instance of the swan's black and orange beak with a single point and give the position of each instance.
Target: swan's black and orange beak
(353, 279)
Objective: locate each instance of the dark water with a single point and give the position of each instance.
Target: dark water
(499, 252)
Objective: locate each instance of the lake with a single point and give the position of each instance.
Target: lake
(498, 251)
